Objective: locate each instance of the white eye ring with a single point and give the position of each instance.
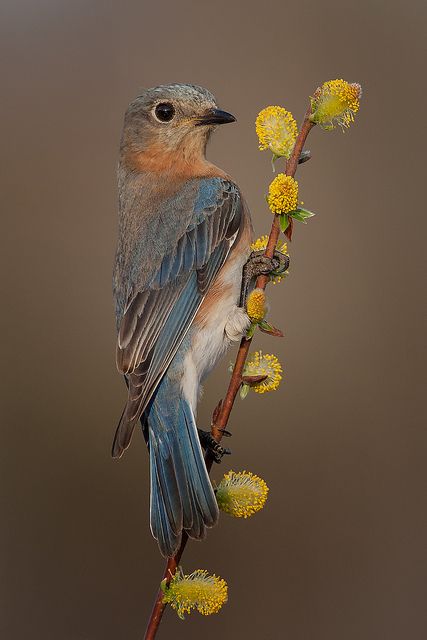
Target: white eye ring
(164, 112)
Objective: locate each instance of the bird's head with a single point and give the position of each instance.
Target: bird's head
(169, 120)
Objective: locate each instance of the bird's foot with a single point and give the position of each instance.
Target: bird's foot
(210, 445)
(258, 264)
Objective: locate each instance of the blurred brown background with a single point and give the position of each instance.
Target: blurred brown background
(339, 551)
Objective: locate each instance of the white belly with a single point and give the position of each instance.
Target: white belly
(224, 323)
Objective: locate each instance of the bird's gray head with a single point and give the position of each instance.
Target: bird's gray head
(170, 118)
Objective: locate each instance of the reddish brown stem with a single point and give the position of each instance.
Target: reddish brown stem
(159, 605)
(236, 377)
(223, 415)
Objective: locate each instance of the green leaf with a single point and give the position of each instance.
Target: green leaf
(284, 221)
(250, 332)
(244, 390)
(297, 216)
(301, 214)
(305, 212)
(265, 325)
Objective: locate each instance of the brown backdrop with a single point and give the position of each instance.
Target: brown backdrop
(338, 552)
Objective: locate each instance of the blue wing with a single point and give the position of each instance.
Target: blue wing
(159, 314)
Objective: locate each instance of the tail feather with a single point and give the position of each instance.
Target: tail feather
(161, 528)
(163, 482)
(181, 492)
(196, 469)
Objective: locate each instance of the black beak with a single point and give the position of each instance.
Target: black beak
(215, 116)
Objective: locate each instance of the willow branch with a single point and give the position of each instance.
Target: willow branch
(223, 411)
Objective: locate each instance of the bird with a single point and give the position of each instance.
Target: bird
(183, 241)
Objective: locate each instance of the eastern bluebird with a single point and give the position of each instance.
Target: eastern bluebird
(184, 237)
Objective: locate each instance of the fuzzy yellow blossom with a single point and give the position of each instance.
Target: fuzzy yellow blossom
(260, 244)
(283, 194)
(277, 130)
(241, 494)
(335, 103)
(262, 364)
(198, 590)
(255, 305)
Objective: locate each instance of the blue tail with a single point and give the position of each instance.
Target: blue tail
(182, 497)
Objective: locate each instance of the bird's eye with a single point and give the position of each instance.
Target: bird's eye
(164, 111)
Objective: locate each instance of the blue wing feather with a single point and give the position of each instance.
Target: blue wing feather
(158, 316)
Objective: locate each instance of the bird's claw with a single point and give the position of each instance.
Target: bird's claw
(259, 264)
(211, 446)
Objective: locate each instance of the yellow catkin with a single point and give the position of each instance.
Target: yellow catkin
(255, 305)
(335, 103)
(283, 194)
(277, 130)
(261, 364)
(241, 494)
(198, 590)
(260, 244)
